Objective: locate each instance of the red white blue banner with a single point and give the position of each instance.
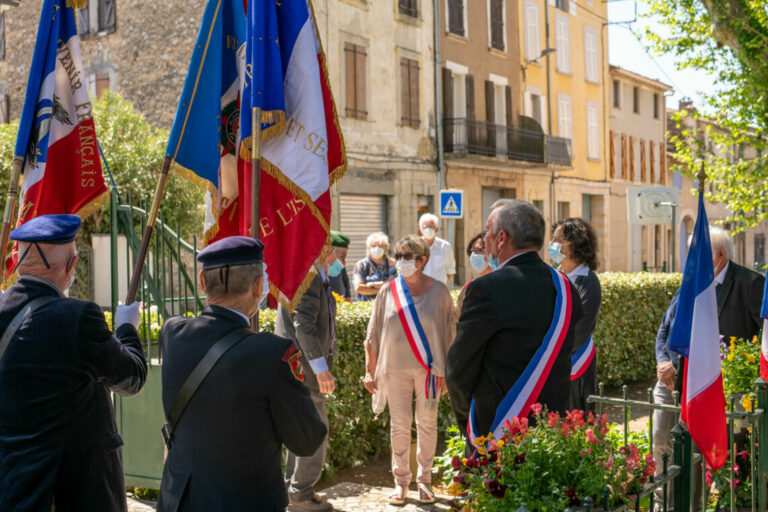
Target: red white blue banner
(526, 389)
(583, 357)
(764, 345)
(265, 54)
(414, 333)
(57, 136)
(695, 335)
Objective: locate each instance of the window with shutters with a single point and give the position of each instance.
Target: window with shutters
(616, 94)
(496, 23)
(106, 16)
(2, 36)
(593, 131)
(563, 210)
(409, 93)
(5, 109)
(354, 62)
(636, 100)
(408, 7)
(457, 17)
(590, 54)
(83, 22)
(563, 42)
(656, 105)
(564, 116)
(532, 32)
(563, 5)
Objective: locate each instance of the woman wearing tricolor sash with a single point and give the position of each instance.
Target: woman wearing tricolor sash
(409, 334)
(574, 249)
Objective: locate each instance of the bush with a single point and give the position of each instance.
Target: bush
(630, 314)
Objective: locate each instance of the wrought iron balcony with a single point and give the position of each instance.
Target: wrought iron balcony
(482, 138)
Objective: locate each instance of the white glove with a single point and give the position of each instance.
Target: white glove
(127, 315)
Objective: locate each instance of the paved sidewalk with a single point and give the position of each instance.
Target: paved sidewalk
(348, 497)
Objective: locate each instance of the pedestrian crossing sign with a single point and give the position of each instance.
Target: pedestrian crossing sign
(452, 204)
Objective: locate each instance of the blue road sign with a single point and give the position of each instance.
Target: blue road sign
(452, 204)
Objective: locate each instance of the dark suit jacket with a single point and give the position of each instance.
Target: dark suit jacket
(309, 326)
(590, 294)
(58, 438)
(226, 449)
(739, 301)
(504, 319)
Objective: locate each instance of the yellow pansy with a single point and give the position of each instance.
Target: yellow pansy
(747, 403)
(730, 356)
(500, 443)
(754, 339)
(750, 358)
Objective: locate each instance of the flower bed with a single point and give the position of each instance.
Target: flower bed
(555, 463)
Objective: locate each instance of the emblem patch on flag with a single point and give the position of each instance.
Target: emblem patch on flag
(292, 356)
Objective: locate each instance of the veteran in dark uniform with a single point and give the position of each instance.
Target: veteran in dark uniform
(225, 450)
(58, 440)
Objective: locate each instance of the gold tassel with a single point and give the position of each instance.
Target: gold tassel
(77, 4)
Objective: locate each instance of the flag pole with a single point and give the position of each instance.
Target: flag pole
(10, 201)
(151, 219)
(255, 185)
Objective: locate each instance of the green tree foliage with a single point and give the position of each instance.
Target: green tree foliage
(134, 150)
(729, 40)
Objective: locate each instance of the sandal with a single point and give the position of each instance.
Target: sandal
(398, 496)
(426, 495)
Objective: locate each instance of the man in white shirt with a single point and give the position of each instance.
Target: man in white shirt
(441, 265)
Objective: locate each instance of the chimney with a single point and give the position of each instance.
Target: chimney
(686, 103)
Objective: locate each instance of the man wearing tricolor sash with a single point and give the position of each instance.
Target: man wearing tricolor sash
(516, 328)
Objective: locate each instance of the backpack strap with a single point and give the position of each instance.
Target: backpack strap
(22, 315)
(197, 377)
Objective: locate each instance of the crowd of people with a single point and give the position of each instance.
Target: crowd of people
(237, 401)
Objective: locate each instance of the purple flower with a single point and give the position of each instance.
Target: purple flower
(495, 488)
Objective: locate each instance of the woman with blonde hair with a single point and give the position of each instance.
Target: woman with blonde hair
(409, 334)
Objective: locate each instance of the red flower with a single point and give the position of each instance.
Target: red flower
(456, 463)
(573, 500)
(495, 488)
(536, 408)
(591, 436)
(553, 419)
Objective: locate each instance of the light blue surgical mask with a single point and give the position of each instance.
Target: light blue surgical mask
(335, 268)
(493, 261)
(554, 252)
(477, 262)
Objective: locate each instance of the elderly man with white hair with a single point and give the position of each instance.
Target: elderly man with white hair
(739, 296)
(442, 264)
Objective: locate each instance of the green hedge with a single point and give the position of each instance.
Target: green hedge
(630, 314)
(632, 309)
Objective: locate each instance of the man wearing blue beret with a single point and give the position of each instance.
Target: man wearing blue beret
(226, 436)
(59, 361)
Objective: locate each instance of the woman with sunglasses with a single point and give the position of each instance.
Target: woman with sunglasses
(409, 334)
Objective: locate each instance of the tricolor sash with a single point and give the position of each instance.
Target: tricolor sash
(526, 389)
(581, 360)
(414, 332)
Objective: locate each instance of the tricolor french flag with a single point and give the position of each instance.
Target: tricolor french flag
(57, 135)
(695, 336)
(764, 346)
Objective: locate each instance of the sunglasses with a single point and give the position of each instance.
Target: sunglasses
(407, 256)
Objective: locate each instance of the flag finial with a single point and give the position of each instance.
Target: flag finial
(702, 177)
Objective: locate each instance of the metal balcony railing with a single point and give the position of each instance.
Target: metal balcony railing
(482, 138)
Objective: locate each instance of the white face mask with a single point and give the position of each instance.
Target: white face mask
(406, 268)
(71, 282)
(429, 233)
(376, 252)
(477, 262)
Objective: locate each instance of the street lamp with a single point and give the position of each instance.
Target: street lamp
(523, 67)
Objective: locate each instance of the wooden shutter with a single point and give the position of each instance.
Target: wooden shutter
(653, 163)
(349, 81)
(497, 24)
(360, 82)
(83, 21)
(447, 94)
(613, 157)
(101, 83)
(5, 110)
(662, 163)
(2, 36)
(643, 174)
(456, 17)
(106, 15)
(632, 158)
(469, 83)
(413, 77)
(624, 156)
(490, 106)
(405, 91)
(508, 98)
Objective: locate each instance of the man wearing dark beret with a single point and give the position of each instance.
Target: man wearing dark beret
(225, 448)
(337, 271)
(59, 361)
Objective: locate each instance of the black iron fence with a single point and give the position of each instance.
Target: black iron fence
(464, 135)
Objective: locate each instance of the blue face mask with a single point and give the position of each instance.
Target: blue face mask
(493, 261)
(553, 249)
(335, 268)
(477, 262)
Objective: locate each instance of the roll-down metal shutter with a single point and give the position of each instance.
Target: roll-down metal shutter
(361, 216)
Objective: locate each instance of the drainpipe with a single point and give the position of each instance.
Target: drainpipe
(438, 101)
(552, 201)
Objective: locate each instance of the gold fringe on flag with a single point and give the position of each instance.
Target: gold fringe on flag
(275, 118)
(77, 4)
